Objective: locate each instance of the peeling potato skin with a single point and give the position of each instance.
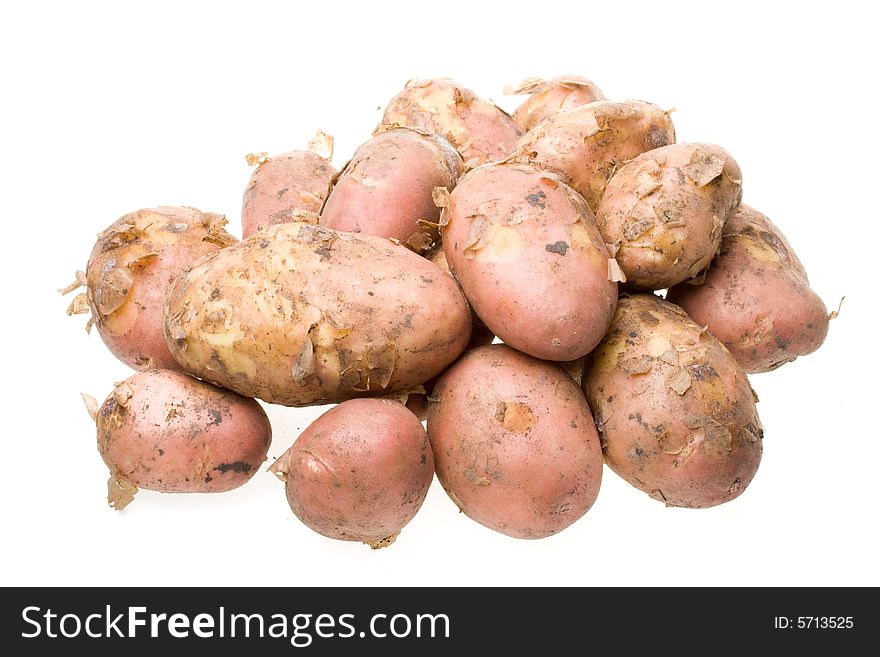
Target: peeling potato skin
(589, 143)
(550, 96)
(756, 297)
(360, 472)
(480, 131)
(530, 259)
(130, 270)
(514, 443)
(166, 431)
(675, 412)
(300, 314)
(665, 210)
(284, 186)
(386, 189)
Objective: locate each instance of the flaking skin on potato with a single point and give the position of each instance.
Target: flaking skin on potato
(546, 97)
(287, 187)
(387, 189)
(130, 270)
(167, 431)
(588, 144)
(675, 412)
(480, 131)
(756, 297)
(664, 212)
(300, 314)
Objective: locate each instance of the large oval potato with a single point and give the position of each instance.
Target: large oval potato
(285, 187)
(300, 314)
(387, 189)
(528, 255)
(166, 431)
(360, 472)
(756, 297)
(546, 97)
(480, 131)
(676, 413)
(589, 143)
(664, 212)
(130, 270)
(514, 442)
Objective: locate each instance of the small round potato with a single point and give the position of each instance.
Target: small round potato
(664, 212)
(546, 97)
(526, 250)
(756, 297)
(478, 129)
(359, 472)
(589, 143)
(166, 431)
(676, 413)
(514, 442)
(130, 270)
(387, 189)
(287, 187)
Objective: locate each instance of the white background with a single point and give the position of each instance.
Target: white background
(110, 107)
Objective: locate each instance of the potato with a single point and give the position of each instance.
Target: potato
(286, 187)
(528, 255)
(387, 189)
(589, 143)
(546, 97)
(675, 412)
(300, 314)
(359, 472)
(478, 129)
(129, 272)
(665, 209)
(166, 431)
(514, 443)
(756, 297)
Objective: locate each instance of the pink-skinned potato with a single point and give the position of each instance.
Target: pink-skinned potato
(286, 187)
(675, 411)
(300, 314)
(479, 130)
(129, 272)
(387, 189)
(665, 210)
(546, 97)
(165, 431)
(589, 143)
(756, 297)
(360, 472)
(526, 250)
(514, 443)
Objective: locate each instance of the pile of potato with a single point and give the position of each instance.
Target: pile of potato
(388, 287)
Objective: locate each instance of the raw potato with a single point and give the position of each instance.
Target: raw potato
(664, 212)
(387, 189)
(756, 297)
(359, 472)
(546, 97)
(478, 129)
(166, 431)
(286, 188)
(676, 413)
(514, 443)
(589, 143)
(528, 255)
(130, 270)
(300, 314)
